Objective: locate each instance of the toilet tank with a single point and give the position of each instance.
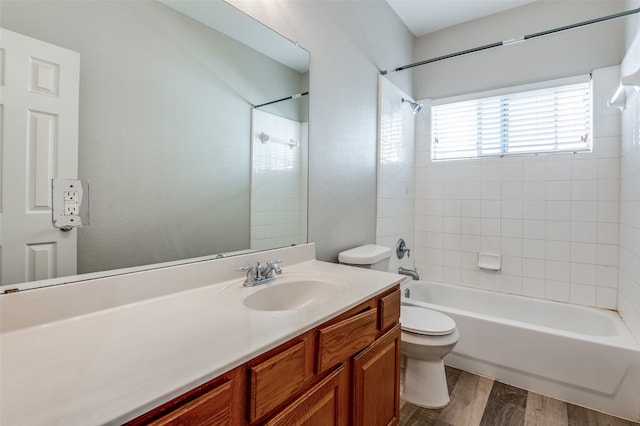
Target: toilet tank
(368, 256)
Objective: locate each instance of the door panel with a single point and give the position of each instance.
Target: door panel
(39, 141)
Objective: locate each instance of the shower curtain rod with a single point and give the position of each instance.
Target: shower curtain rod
(514, 40)
(296, 96)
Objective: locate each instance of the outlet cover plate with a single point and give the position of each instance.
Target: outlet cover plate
(70, 198)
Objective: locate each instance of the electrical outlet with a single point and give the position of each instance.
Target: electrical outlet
(70, 196)
(70, 203)
(71, 209)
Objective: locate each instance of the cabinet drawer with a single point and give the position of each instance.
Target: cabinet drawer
(389, 310)
(212, 408)
(273, 381)
(339, 341)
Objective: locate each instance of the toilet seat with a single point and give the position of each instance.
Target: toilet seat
(424, 321)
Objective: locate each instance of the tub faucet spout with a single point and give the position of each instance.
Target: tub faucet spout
(413, 273)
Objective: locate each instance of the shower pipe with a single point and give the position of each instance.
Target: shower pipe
(514, 40)
(296, 96)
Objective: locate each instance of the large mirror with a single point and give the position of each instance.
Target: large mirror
(191, 132)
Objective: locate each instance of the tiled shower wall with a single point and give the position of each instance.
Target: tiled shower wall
(553, 218)
(629, 275)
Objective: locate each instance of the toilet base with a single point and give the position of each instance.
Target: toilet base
(425, 383)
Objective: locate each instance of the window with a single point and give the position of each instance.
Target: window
(554, 119)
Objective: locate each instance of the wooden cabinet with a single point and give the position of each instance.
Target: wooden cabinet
(213, 403)
(340, 341)
(212, 408)
(376, 381)
(323, 404)
(276, 379)
(345, 371)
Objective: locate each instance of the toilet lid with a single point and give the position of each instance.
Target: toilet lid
(425, 321)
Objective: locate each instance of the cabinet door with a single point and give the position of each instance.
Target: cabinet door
(323, 405)
(376, 382)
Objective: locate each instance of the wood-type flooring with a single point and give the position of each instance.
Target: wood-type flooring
(479, 401)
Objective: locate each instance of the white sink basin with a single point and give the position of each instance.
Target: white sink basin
(291, 295)
(287, 292)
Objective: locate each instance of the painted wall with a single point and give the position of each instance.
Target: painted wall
(560, 55)
(629, 275)
(350, 42)
(165, 114)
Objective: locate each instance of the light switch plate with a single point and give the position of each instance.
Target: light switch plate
(70, 203)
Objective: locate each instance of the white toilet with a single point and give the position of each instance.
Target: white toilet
(369, 256)
(427, 337)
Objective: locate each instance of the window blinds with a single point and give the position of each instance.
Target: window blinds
(554, 119)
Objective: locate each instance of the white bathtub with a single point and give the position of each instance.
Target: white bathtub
(581, 355)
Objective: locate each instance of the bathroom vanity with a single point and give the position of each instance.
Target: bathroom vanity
(345, 371)
(183, 344)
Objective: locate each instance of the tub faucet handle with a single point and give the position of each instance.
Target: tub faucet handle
(401, 249)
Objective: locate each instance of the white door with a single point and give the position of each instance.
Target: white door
(39, 87)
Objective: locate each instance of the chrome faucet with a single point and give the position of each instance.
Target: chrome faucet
(261, 274)
(413, 273)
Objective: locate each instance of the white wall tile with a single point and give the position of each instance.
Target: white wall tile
(536, 190)
(534, 249)
(511, 284)
(582, 273)
(584, 211)
(533, 287)
(585, 232)
(558, 291)
(511, 246)
(557, 271)
(558, 210)
(534, 229)
(585, 169)
(607, 254)
(585, 190)
(584, 252)
(583, 294)
(558, 250)
(558, 230)
(553, 218)
(606, 298)
(533, 268)
(511, 228)
(538, 210)
(512, 209)
(608, 211)
(559, 169)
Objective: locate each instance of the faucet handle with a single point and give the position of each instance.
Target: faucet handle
(247, 268)
(275, 265)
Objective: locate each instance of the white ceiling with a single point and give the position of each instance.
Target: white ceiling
(426, 16)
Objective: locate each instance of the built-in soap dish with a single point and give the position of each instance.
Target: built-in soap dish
(491, 262)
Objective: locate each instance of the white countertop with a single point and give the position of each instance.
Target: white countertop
(111, 365)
